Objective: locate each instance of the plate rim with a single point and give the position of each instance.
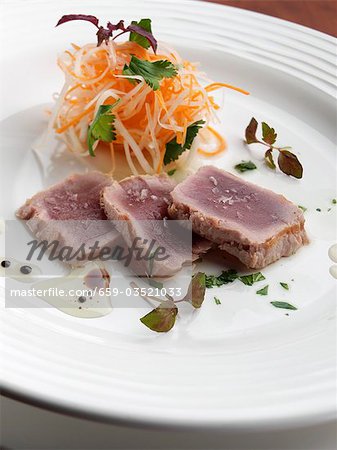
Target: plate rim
(66, 408)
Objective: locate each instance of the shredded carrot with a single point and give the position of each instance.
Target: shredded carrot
(146, 120)
(75, 120)
(213, 86)
(221, 147)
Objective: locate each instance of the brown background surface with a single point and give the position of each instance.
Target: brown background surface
(318, 14)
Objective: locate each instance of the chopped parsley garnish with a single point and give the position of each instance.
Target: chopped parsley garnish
(263, 291)
(225, 277)
(284, 305)
(174, 150)
(217, 301)
(249, 280)
(152, 72)
(102, 128)
(171, 172)
(284, 285)
(303, 208)
(318, 209)
(334, 201)
(244, 166)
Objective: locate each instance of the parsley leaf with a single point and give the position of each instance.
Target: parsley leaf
(285, 286)
(263, 291)
(284, 305)
(244, 166)
(334, 201)
(217, 301)
(303, 208)
(152, 72)
(249, 280)
(174, 150)
(171, 172)
(102, 127)
(225, 277)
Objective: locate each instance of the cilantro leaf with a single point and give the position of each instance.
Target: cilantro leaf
(284, 305)
(249, 280)
(102, 127)
(162, 318)
(245, 165)
(268, 134)
(263, 291)
(141, 33)
(174, 150)
(152, 72)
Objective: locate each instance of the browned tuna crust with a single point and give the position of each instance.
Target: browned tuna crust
(252, 223)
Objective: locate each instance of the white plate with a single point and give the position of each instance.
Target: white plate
(241, 364)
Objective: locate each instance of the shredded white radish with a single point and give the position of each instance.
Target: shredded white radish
(145, 120)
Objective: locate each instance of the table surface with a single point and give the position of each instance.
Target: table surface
(318, 14)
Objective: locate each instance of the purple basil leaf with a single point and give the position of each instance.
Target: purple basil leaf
(146, 34)
(70, 17)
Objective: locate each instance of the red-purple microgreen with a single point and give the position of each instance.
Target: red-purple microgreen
(288, 162)
(163, 317)
(140, 32)
(196, 290)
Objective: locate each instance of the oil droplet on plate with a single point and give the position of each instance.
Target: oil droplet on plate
(19, 271)
(79, 299)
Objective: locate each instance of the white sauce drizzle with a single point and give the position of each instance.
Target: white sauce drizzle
(333, 256)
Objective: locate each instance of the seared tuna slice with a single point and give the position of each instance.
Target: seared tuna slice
(140, 205)
(252, 223)
(70, 213)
